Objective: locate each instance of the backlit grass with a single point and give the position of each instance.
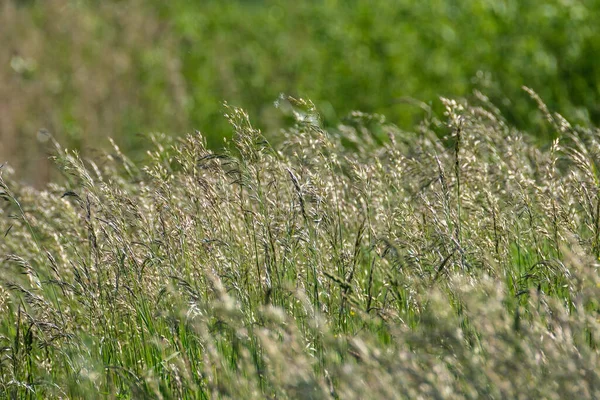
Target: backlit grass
(360, 262)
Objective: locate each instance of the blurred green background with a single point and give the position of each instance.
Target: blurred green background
(84, 70)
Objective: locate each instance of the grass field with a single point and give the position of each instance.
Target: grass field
(85, 70)
(237, 242)
(454, 261)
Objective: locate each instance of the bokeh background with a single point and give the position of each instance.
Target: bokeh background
(85, 70)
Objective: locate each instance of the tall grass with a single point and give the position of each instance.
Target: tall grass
(331, 266)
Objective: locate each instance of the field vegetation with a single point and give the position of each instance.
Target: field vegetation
(84, 70)
(443, 242)
(455, 260)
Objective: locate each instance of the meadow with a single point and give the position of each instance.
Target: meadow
(85, 70)
(458, 260)
(177, 221)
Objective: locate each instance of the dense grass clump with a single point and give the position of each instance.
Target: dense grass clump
(337, 265)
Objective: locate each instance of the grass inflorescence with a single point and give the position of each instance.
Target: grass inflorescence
(360, 262)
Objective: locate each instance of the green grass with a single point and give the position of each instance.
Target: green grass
(136, 67)
(361, 262)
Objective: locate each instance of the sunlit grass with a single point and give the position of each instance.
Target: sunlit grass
(360, 262)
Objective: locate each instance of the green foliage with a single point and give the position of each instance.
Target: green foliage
(332, 265)
(138, 67)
